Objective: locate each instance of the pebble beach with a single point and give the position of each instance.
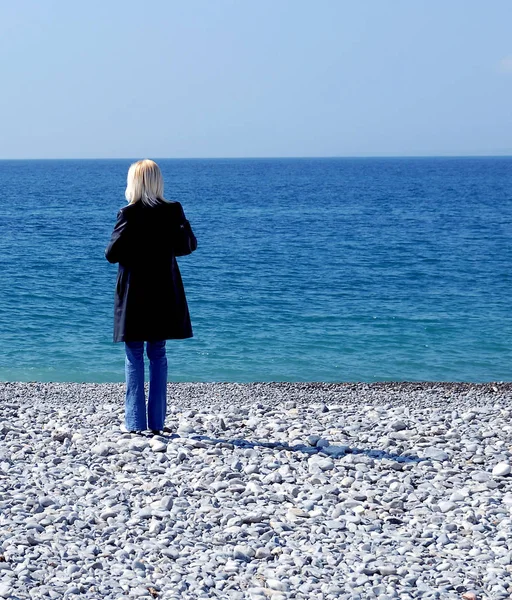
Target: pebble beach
(277, 490)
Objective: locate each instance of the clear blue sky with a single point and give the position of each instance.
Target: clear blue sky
(234, 78)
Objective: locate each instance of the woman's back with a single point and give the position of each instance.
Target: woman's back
(149, 233)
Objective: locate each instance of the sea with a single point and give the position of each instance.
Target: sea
(334, 270)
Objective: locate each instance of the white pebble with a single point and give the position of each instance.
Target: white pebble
(501, 469)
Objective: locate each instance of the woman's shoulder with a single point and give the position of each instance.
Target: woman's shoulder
(128, 209)
(174, 207)
(174, 204)
(164, 205)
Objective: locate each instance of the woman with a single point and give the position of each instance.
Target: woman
(150, 304)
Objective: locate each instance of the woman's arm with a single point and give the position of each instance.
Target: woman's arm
(117, 248)
(185, 241)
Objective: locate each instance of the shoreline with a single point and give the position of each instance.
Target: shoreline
(199, 394)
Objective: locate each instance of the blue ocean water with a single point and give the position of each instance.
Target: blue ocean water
(306, 270)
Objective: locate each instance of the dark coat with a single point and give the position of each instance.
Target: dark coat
(150, 302)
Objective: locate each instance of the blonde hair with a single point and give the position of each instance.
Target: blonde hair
(145, 182)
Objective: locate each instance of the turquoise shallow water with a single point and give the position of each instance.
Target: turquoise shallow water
(307, 269)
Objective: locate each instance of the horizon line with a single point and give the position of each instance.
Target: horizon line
(326, 157)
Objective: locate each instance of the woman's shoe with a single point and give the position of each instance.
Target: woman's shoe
(160, 431)
(125, 429)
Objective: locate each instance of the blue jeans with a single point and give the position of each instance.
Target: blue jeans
(137, 416)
